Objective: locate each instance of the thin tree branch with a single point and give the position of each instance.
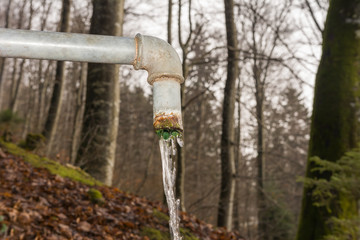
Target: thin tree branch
(313, 16)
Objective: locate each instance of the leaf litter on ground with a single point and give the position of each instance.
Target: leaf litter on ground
(36, 204)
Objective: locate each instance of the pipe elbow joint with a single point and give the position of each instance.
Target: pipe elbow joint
(164, 67)
(158, 58)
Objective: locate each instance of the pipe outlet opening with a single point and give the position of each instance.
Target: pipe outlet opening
(167, 108)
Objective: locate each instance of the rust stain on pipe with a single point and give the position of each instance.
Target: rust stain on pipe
(172, 122)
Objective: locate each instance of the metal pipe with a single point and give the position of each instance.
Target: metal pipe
(165, 74)
(66, 46)
(144, 52)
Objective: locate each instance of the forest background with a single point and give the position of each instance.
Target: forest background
(278, 51)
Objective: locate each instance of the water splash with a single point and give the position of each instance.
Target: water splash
(168, 149)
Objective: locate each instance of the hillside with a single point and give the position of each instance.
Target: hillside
(41, 199)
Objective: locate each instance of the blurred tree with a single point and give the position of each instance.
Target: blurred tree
(203, 128)
(265, 28)
(169, 21)
(101, 118)
(16, 81)
(287, 135)
(80, 24)
(136, 168)
(335, 112)
(6, 25)
(53, 116)
(185, 48)
(227, 191)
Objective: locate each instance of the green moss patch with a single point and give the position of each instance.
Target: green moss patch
(162, 217)
(187, 235)
(54, 167)
(96, 196)
(154, 234)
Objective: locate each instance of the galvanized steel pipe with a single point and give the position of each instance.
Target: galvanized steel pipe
(66, 46)
(152, 54)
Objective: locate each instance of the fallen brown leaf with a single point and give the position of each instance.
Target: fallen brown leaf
(84, 226)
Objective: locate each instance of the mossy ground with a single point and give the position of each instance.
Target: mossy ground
(162, 217)
(155, 234)
(54, 167)
(96, 196)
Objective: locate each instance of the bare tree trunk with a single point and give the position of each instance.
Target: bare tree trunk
(180, 164)
(2, 60)
(42, 95)
(52, 121)
(41, 75)
(169, 39)
(79, 112)
(169, 22)
(13, 101)
(261, 203)
(238, 159)
(29, 110)
(101, 118)
(197, 153)
(15, 83)
(180, 156)
(226, 201)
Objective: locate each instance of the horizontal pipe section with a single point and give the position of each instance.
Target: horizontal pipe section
(66, 46)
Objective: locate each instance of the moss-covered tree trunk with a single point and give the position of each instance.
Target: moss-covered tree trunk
(101, 118)
(335, 109)
(227, 191)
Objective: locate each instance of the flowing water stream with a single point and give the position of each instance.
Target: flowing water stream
(168, 149)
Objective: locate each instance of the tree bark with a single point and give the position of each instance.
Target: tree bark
(79, 112)
(169, 22)
(261, 202)
(227, 191)
(180, 158)
(335, 111)
(52, 120)
(238, 159)
(42, 76)
(2, 60)
(101, 118)
(15, 83)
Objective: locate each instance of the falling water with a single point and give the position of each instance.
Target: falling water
(168, 149)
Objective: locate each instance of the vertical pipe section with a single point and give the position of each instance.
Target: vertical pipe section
(167, 105)
(66, 46)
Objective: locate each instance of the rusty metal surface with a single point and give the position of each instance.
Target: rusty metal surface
(169, 121)
(66, 46)
(167, 104)
(168, 125)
